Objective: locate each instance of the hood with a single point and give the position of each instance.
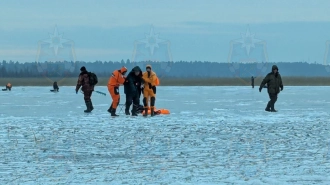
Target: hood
(136, 69)
(83, 68)
(274, 67)
(123, 69)
(148, 66)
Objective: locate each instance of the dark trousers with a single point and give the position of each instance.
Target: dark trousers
(87, 96)
(272, 101)
(131, 99)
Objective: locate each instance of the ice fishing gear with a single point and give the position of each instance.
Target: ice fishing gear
(96, 92)
(100, 93)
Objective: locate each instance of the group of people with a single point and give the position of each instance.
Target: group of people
(135, 83)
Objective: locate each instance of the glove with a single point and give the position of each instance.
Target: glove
(76, 91)
(260, 89)
(282, 88)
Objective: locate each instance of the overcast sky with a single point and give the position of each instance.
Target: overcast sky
(291, 30)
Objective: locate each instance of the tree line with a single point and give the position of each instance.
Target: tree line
(178, 69)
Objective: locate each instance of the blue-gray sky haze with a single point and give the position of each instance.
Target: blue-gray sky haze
(294, 30)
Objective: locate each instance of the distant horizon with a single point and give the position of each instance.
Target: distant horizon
(172, 69)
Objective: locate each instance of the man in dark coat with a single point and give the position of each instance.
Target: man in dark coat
(83, 81)
(55, 86)
(132, 89)
(274, 85)
(252, 81)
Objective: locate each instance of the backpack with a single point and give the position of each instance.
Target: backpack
(92, 78)
(157, 81)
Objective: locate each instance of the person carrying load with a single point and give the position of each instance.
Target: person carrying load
(149, 90)
(117, 78)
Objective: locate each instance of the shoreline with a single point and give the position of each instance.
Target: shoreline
(287, 81)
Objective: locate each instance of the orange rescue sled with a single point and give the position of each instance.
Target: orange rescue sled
(159, 111)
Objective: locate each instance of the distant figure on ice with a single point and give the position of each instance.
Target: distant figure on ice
(274, 84)
(55, 86)
(149, 91)
(87, 81)
(252, 81)
(132, 87)
(8, 86)
(117, 78)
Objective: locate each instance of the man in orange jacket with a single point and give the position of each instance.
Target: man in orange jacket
(149, 90)
(117, 78)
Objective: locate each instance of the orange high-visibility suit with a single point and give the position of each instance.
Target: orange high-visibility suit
(149, 91)
(114, 82)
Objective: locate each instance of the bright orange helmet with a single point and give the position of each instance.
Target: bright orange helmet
(123, 70)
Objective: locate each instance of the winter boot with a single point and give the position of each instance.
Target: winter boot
(152, 112)
(113, 112)
(268, 107)
(127, 110)
(91, 104)
(110, 108)
(145, 112)
(272, 107)
(88, 105)
(134, 111)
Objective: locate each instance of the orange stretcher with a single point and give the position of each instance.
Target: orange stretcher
(158, 111)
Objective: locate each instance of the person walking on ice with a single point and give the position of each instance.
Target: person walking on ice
(117, 78)
(274, 84)
(87, 81)
(149, 91)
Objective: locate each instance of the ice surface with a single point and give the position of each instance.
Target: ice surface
(214, 135)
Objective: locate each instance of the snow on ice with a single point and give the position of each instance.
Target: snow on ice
(214, 135)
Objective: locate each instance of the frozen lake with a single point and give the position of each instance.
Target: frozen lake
(214, 135)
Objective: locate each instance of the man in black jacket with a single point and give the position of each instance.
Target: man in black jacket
(252, 81)
(132, 89)
(55, 86)
(274, 86)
